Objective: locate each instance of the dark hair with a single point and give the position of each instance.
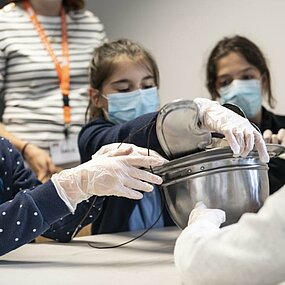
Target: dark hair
(249, 51)
(69, 5)
(73, 4)
(104, 60)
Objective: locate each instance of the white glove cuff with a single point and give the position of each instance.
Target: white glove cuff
(70, 196)
(202, 228)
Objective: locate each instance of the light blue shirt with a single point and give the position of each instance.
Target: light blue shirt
(147, 211)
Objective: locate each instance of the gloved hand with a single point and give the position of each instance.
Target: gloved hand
(238, 131)
(278, 138)
(111, 171)
(201, 213)
(116, 149)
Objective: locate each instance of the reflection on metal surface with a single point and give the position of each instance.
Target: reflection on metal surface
(236, 185)
(178, 129)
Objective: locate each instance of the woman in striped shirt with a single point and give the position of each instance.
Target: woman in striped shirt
(45, 49)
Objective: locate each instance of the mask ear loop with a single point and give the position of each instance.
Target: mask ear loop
(93, 244)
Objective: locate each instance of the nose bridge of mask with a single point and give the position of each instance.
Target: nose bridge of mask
(246, 94)
(247, 83)
(148, 101)
(149, 98)
(239, 86)
(123, 107)
(123, 101)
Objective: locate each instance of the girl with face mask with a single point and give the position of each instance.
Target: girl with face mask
(124, 101)
(237, 73)
(124, 86)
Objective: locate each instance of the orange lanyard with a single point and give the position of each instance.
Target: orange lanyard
(61, 69)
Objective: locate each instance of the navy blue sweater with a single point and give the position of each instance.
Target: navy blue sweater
(29, 208)
(140, 131)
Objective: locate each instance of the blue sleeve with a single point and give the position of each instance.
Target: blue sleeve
(140, 131)
(63, 230)
(26, 210)
(28, 215)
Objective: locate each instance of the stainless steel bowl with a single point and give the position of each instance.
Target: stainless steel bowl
(236, 185)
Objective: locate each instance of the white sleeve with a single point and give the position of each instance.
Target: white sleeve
(251, 252)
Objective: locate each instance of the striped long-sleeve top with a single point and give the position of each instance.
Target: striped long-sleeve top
(28, 78)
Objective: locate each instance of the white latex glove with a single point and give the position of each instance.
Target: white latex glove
(278, 138)
(113, 172)
(116, 149)
(238, 131)
(201, 213)
(202, 224)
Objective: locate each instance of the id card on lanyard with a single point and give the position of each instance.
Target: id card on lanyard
(63, 73)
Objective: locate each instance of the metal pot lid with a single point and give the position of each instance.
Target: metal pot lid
(214, 158)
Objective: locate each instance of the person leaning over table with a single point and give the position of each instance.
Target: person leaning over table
(250, 252)
(45, 50)
(29, 208)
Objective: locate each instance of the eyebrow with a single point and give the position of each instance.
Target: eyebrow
(148, 77)
(243, 70)
(121, 81)
(128, 81)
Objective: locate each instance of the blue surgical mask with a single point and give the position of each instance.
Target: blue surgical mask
(123, 107)
(246, 94)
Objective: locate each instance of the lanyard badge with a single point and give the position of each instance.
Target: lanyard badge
(63, 70)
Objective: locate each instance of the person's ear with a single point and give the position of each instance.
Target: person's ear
(95, 98)
(264, 83)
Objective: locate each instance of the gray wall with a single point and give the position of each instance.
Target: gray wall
(181, 33)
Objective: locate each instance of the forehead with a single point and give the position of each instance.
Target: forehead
(129, 69)
(232, 63)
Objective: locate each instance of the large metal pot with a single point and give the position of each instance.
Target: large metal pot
(236, 185)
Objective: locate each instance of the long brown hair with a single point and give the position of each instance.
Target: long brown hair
(104, 61)
(249, 51)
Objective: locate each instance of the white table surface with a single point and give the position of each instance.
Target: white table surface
(148, 260)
